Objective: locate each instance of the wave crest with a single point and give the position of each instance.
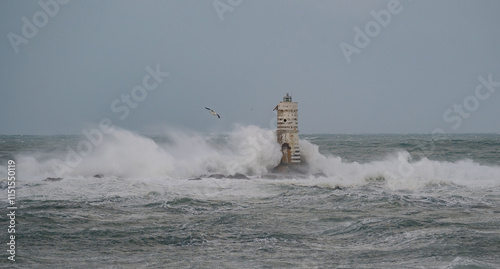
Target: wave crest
(248, 150)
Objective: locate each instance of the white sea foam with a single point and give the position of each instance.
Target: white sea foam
(248, 150)
(398, 171)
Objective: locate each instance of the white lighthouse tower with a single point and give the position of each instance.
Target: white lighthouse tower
(288, 130)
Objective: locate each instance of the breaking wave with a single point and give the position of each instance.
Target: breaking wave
(398, 171)
(247, 150)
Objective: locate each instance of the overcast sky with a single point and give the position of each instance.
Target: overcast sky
(64, 66)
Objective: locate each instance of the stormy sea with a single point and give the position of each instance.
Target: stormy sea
(189, 200)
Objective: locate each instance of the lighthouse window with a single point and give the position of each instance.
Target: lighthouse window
(284, 120)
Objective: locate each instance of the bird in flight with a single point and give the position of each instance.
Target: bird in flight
(213, 112)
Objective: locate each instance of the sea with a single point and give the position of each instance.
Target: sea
(189, 200)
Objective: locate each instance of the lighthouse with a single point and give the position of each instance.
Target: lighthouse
(288, 130)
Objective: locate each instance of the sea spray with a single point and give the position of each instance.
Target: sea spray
(390, 169)
(254, 152)
(248, 149)
(354, 210)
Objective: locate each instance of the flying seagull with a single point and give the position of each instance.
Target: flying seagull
(213, 112)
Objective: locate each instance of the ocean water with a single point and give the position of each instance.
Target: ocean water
(187, 200)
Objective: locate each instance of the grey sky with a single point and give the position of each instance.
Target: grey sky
(240, 63)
